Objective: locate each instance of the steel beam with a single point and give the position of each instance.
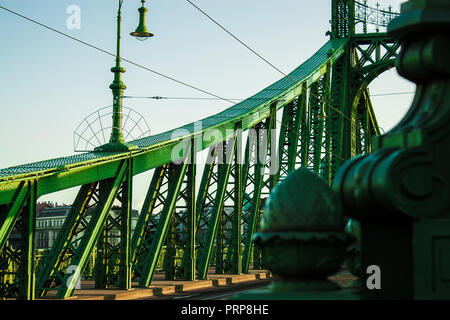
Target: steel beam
(50, 272)
(125, 229)
(11, 212)
(256, 175)
(340, 91)
(113, 264)
(81, 254)
(189, 268)
(180, 253)
(18, 259)
(205, 197)
(150, 245)
(27, 270)
(146, 223)
(234, 254)
(206, 248)
(148, 264)
(326, 145)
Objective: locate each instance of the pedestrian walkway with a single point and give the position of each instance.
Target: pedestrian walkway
(161, 287)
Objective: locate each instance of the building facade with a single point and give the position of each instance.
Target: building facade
(50, 220)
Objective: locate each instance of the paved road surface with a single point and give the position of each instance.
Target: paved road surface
(215, 293)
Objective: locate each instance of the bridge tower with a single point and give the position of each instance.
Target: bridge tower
(398, 193)
(367, 54)
(342, 18)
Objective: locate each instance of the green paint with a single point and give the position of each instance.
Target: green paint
(327, 118)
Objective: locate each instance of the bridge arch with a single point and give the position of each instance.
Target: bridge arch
(360, 101)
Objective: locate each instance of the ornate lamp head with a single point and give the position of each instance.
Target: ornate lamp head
(141, 33)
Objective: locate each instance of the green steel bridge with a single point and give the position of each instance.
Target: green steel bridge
(327, 118)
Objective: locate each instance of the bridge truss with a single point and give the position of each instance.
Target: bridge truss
(327, 118)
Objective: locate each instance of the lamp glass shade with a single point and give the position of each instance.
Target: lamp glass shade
(141, 32)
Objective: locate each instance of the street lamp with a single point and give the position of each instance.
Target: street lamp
(117, 142)
(141, 32)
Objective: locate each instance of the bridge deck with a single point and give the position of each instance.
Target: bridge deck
(162, 289)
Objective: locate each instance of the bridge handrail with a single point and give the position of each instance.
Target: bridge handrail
(376, 16)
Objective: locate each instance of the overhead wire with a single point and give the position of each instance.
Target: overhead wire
(240, 99)
(123, 59)
(144, 67)
(257, 54)
(276, 68)
(114, 55)
(171, 78)
(126, 60)
(236, 38)
(322, 100)
(391, 94)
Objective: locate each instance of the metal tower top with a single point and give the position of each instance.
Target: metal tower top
(347, 14)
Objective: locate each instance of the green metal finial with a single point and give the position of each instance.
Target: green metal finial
(142, 32)
(302, 239)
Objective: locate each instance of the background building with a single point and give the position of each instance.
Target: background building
(50, 219)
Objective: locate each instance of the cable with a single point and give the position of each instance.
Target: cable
(236, 38)
(190, 98)
(390, 94)
(241, 42)
(261, 57)
(170, 78)
(273, 66)
(114, 55)
(172, 98)
(148, 69)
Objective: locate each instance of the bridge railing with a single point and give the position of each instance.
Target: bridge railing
(369, 15)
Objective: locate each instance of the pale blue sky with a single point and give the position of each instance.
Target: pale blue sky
(50, 83)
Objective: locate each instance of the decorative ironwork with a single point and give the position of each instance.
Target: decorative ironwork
(366, 14)
(94, 130)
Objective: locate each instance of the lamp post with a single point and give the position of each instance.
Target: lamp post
(117, 142)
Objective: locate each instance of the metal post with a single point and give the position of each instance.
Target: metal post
(125, 229)
(190, 265)
(117, 142)
(224, 173)
(92, 233)
(117, 88)
(238, 198)
(26, 274)
(146, 265)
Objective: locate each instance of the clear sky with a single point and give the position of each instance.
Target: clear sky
(50, 83)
